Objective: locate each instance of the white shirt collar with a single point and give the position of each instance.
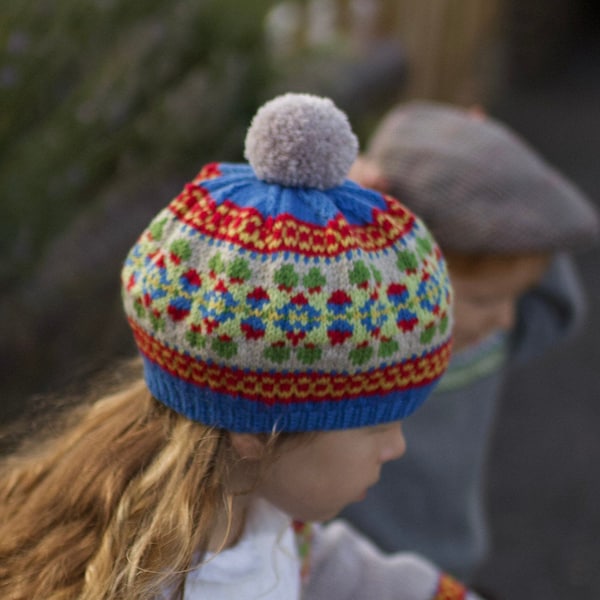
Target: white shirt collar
(263, 565)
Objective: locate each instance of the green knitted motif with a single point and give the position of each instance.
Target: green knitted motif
(156, 228)
(287, 277)
(227, 304)
(181, 249)
(407, 261)
(314, 280)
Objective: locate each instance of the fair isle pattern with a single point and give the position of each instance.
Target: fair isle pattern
(449, 589)
(245, 226)
(261, 305)
(272, 388)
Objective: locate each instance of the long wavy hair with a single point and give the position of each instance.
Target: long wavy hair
(119, 504)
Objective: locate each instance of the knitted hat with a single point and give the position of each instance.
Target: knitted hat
(479, 188)
(281, 296)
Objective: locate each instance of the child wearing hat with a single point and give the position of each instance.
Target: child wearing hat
(287, 321)
(504, 219)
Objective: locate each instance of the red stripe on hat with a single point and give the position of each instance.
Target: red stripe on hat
(288, 388)
(248, 228)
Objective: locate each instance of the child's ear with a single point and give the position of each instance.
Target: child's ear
(249, 446)
(477, 112)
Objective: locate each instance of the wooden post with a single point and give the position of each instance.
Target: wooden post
(446, 43)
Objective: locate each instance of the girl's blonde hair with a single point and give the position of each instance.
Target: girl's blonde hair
(121, 505)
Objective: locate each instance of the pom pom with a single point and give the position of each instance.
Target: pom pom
(301, 140)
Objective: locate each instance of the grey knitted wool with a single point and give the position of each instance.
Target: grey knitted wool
(301, 140)
(477, 185)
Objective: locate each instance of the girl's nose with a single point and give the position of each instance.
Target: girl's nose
(395, 445)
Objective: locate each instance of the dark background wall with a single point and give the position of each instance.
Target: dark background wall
(544, 489)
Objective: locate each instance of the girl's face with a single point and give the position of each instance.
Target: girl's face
(313, 480)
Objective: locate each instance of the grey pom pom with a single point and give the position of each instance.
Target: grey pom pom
(301, 140)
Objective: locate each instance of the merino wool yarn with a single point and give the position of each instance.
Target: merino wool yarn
(280, 296)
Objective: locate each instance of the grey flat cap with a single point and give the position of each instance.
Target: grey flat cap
(477, 185)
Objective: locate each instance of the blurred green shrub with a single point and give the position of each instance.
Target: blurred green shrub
(106, 108)
(93, 90)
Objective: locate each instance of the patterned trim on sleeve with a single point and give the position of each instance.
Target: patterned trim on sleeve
(449, 589)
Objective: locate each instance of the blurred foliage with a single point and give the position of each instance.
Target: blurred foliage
(96, 89)
(106, 107)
